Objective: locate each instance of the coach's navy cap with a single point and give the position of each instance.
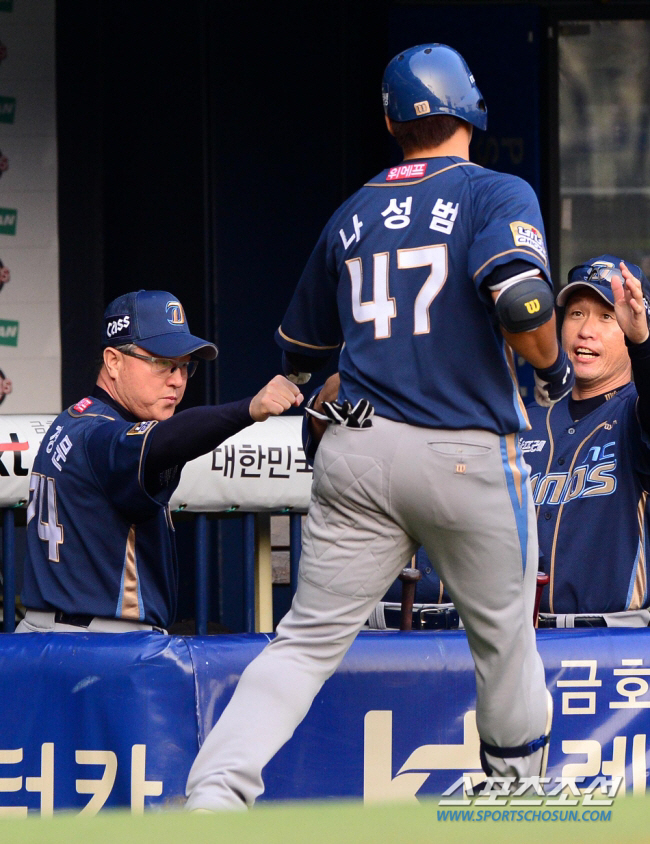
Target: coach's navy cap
(154, 320)
(597, 274)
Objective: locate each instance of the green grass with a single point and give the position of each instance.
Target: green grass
(325, 823)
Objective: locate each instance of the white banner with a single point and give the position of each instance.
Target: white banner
(263, 468)
(30, 354)
(20, 437)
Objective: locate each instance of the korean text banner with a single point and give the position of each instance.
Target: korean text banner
(262, 468)
(92, 721)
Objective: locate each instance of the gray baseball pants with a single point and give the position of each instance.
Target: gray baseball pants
(377, 494)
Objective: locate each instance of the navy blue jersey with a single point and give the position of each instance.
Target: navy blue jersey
(97, 542)
(590, 483)
(397, 277)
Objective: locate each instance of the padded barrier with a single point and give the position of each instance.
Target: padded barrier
(92, 721)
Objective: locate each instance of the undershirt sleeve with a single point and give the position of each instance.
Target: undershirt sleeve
(640, 357)
(188, 435)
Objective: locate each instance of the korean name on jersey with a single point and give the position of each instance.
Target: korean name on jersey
(397, 276)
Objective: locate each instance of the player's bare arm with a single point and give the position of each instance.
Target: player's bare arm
(629, 307)
(274, 398)
(539, 347)
(535, 340)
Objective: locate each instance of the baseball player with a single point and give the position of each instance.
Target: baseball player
(590, 458)
(429, 275)
(100, 541)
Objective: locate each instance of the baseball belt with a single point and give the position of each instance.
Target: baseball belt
(80, 620)
(426, 618)
(77, 620)
(44, 621)
(578, 621)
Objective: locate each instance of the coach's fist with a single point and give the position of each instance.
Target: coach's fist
(278, 395)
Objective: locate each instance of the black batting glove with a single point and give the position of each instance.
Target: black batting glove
(359, 416)
(555, 382)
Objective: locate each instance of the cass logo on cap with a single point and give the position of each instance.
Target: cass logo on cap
(118, 326)
(175, 310)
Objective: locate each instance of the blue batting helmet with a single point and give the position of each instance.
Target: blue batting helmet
(432, 79)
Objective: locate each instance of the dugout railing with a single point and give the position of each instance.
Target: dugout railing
(259, 472)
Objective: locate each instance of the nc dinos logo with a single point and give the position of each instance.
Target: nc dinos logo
(175, 313)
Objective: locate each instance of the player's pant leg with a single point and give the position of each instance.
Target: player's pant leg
(483, 542)
(512, 702)
(351, 554)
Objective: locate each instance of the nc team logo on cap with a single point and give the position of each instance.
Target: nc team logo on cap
(597, 274)
(177, 316)
(154, 320)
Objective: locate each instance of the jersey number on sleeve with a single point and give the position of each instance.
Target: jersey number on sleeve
(43, 492)
(383, 308)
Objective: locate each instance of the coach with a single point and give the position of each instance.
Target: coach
(590, 455)
(590, 465)
(100, 541)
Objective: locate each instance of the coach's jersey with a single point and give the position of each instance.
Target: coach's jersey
(592, 472)
(97, 542)
(396, 276)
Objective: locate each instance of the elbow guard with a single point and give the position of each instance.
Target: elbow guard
(525, 305)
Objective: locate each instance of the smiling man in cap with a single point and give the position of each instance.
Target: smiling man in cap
(590, 454)
(100, 542)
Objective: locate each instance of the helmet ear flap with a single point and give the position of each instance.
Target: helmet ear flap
(432, 79)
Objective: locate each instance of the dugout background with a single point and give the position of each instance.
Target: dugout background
(203, 144)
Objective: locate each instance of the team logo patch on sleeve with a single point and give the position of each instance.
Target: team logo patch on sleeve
(141, 428)
(529, 237)
(84, 404)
